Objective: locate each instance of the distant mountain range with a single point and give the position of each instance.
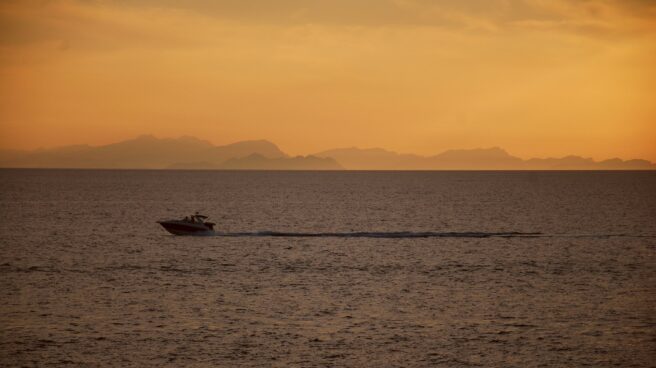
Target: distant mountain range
(189, 153)
(148, 152)
(471, 159)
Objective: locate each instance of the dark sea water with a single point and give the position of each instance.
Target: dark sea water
(328, 269)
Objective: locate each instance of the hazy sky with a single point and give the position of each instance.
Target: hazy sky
(537, 77)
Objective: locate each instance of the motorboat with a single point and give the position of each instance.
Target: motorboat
(190, 225)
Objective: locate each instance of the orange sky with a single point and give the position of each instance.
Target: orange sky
(537, 77)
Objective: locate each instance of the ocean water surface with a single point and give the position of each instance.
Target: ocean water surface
(328, 269)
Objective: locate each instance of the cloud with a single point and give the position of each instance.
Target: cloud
(594, 18)
(32, 30)
(30, 20)
(491, 15)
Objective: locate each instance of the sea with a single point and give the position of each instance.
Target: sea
(328, 269)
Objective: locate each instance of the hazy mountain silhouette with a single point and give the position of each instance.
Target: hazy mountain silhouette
(471, 159)
(142, 152)
(372, 159)
(259, 162)
(256, 161)
(376, 158)
(490, 158)
(148, 152)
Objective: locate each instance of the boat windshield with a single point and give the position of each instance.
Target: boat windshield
(198, 218)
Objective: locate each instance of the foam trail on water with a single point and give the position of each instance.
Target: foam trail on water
(425, 234)
(390, 235)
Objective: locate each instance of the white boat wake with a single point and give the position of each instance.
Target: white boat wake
(391, 235)
(422, 234)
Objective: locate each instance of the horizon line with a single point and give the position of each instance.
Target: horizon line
(322, 170)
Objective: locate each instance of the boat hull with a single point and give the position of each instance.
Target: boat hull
(186, 228)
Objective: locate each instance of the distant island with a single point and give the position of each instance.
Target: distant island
(189, 153)
(471, 159)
